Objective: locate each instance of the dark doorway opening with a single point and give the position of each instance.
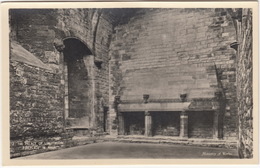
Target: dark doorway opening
(78, 79)
(200, 124)
(166, 123)
(134, 123)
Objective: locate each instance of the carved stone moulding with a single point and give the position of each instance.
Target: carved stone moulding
(183, 97)
(145, 98)
(58, 44)
(117, 99)
(234, 45)
(98, 62)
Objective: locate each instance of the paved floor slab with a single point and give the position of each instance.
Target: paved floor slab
(117, 150)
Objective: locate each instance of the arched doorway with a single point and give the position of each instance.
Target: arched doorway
(79, 85)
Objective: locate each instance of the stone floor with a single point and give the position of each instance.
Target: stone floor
(117, 150)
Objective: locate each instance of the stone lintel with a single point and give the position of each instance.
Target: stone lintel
(153, 107)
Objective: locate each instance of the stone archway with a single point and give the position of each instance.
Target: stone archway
(79, 84)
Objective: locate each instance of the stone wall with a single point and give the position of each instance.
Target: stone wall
(36, 109)
(156, 39)
(94, 28)
(37, 94)
(152, 42)
(244, 84)
(36, 30)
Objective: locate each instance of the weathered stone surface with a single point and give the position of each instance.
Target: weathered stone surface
(36, 94)
(159, 52)
(244, 85)
(18, 53)
(157, 43)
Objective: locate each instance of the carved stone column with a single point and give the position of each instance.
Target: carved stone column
(219, 107)
(184, 124)
(90, 67)
(148, 124)
(216, 125)
(121, 124)
(66, 89)
(115, 126)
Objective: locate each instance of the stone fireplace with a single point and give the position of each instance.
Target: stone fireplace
(191, 107)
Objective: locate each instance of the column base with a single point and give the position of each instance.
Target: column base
(184, 137)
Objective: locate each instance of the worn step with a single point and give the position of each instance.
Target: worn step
(177, 140)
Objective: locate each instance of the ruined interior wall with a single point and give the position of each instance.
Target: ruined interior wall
(244, 85)
(94, 28)
(36, 116)
(103, 39)
(157, 38)
(36, 94)
(36, 31)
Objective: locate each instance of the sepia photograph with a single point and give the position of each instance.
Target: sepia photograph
(132, 82)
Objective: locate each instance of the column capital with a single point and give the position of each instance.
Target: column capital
(117, 99)
(147, 113)
(184, 112)
(216, 112)
(59, 45)
(145, 98)
(183, 97)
